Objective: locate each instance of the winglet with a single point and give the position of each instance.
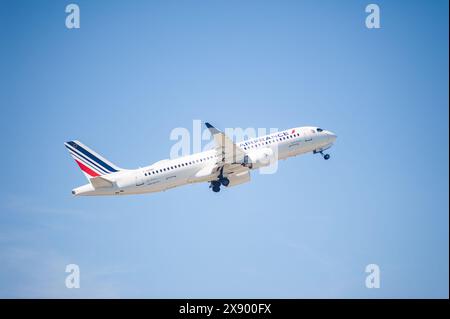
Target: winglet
(212, 129)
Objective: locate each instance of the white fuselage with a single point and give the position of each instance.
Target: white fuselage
(199, 167)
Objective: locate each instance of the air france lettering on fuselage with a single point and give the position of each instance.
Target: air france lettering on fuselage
(264, 138)
(227, 165)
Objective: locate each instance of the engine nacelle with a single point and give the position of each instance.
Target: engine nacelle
(239, 178)
(259, 158)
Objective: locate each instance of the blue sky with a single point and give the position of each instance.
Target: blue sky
(137, 69)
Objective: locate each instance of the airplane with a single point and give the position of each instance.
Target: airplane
(228, 164)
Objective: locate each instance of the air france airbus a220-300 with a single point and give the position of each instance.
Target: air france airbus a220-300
(227, 165)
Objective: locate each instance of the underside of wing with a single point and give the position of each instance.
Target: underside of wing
(239, 177)
(229, 169)
(231, 153)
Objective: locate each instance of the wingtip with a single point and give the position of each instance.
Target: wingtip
(208, 125)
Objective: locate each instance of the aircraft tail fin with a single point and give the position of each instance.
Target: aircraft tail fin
(91, 163)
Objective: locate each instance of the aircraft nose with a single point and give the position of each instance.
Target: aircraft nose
(331, 136)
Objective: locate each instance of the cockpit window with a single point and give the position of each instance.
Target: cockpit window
(319, 129)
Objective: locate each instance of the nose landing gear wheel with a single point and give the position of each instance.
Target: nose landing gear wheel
(216, 189)
(325, 156)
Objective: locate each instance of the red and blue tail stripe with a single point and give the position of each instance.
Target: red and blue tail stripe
(91, 163)
(80, 158)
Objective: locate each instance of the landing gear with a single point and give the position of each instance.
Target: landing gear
(215, 185)
(325, 156)
(224, 181)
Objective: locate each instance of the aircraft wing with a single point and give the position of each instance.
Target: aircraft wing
(231, 153)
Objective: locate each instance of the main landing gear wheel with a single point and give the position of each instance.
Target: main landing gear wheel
(225, 181)
(215, 185)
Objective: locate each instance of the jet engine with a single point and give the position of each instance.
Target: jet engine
(259, 158)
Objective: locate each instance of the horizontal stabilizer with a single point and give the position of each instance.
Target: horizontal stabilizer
(101, 182)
